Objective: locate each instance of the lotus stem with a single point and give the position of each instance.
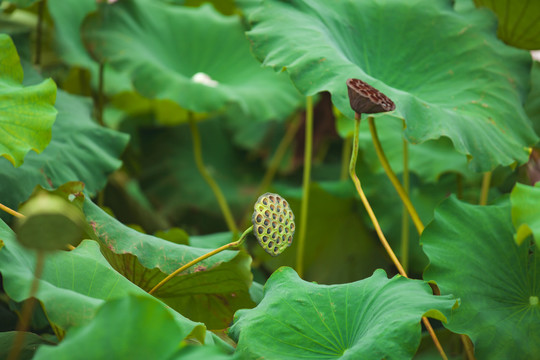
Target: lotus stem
(388, 248)
(197, 150)
(39, 33)
(28, 308)
(404, 213)
(231, 245)
(11, 211)
(393, 178)
(484, 192)
(346, 150)
(305, 186)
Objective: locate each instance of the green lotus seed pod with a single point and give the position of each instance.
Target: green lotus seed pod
(273, 223)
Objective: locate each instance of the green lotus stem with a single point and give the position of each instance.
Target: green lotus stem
(39, 32)
(100, 97)
(358, 185)
(404, 214)
(459, 185)
(305, 186)
(346, 150)
(28, 308)
(231, 245)
(484, 192)
(469, 348)
(11, 211)
(393, 178)
(197, 150)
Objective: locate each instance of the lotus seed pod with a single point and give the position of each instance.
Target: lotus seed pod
(273, 223)
(365, 99)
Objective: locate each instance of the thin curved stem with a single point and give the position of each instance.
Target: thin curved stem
(468, 345)
(382, 238)
(231, 245)
(404, 214)
(11, 211)
(197, 150)
(484, 192)
(393, 178)
(305, 187)
(346, 150)
(28, 308)
(39, 33)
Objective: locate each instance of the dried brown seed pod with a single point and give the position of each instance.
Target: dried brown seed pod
(365, 99)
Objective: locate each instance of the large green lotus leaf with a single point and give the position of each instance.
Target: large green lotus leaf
(473, 256)
(532, 105)
(525, 212)
(73, 284)
(131, 327)
(373, 318)
(80, 150)
(174, 184)
(519, 24)
(210, 292)
(27, 113)
(336, 236)
(169, 51)
(68, 16)
(446, 71)
(429, 159)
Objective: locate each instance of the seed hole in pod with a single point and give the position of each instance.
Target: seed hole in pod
(268, 231)
(278, 241)
(285, 204)
(276, 249)
(267, 213)
(274, 224)
(278, 199)
(270, 244)
(278, 209)
(290, 240)
(284, 238)
(274, 236)
(260, 230)
(290, 214)
(272, 198)
(265, 238)
(292, 227)
(272, 207)
(274, 216)
(281, 218)
(280, 229)
(286, 221)
(265, 201)
(258, 218)
(266, 222)
(286, 230)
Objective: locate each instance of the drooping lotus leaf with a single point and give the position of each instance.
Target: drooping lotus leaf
(73, 284)
(80, 150)
(68, 16)
(518, 24)
(448, 75)
(131, 327)
(373, 318)
(532, 105)
(27, 113)
(206, 69)
(210, 292)
(473, 256)
(525, 209)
